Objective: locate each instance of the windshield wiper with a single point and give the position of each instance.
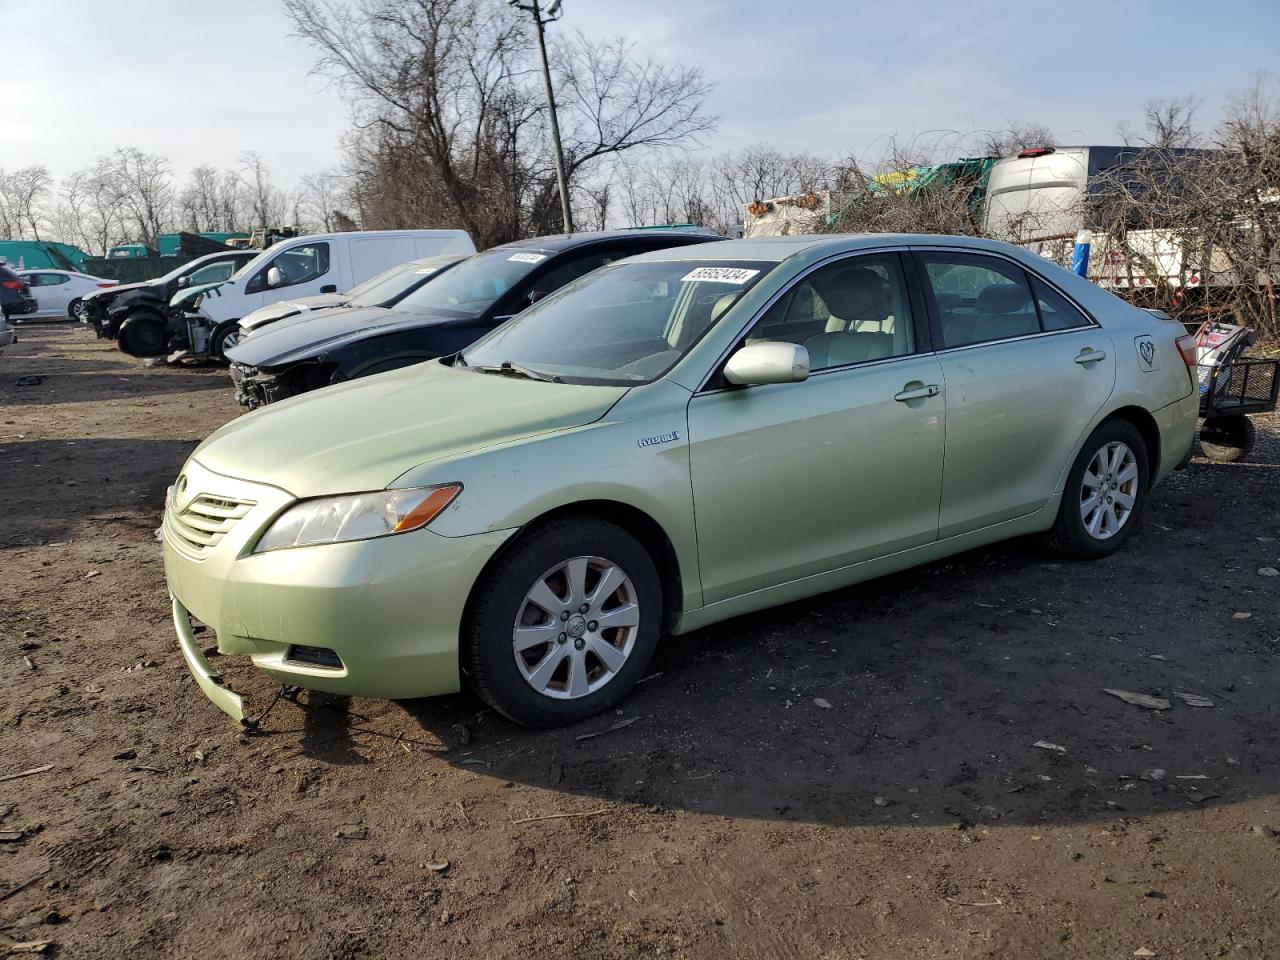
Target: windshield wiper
(507, 368)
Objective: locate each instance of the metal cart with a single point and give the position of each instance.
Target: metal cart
(1231, 389)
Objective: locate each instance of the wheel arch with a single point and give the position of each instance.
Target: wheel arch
(1145, 424)
(639, 524)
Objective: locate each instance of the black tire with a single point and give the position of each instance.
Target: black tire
(1069, 535)
(144, 337)
(218, 346)
(488, 655)
(1227, 439)
(76, 310)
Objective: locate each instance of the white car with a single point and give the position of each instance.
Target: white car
(61, 293)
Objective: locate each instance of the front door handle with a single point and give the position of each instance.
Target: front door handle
(917, 393)
(1090, 355)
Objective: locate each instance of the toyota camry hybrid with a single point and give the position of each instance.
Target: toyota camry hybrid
(674, 439)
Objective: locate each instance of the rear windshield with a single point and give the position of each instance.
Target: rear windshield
(624, 324)
(470, 288)
(392, 285)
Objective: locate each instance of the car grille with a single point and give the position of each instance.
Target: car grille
(201, 524)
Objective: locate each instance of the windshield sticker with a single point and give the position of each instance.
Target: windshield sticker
(424, 271)
(527, 257)
(735, 275)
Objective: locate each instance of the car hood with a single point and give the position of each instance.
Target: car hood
(362, 435)
(310, 335)
(273, 312)
(188, 294)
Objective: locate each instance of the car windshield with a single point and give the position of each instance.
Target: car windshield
(391, 285)
(472, 286)
(621, 325)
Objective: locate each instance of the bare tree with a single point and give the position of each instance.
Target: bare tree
(22, 195)
(1196, 231)
(451, 119)
(1019, 135)
(268, 205)
(322, 196)
(145, 189)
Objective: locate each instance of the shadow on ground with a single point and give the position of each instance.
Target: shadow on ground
(968, 691)
(108, 477)
(94, 381)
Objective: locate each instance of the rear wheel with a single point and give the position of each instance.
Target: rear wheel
(1227, 439)
(564, 624)
(76, 310)
(1105, 493)
(145, 337)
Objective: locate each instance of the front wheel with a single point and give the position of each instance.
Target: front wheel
(1105, 493)
(144, 337)
(563, 626)
(225, 336)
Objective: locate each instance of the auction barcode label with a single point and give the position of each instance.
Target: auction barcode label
(719, 275)
(527, 257)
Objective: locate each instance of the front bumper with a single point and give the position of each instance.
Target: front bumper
(390, 609)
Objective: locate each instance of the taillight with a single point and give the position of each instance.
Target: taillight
(1187, 347)
(11, 284)
(105, 285)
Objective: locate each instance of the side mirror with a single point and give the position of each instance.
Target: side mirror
(184, 282)
(536, 295)
(769, 362)
(275, 277)
(329, 288)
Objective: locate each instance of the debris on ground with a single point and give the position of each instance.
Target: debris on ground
(823, 704)
(600, 733)
(1046, 745)
(1139, 699)
(1193, 699)
(351, 831)
(34, 380)
(1268, 572)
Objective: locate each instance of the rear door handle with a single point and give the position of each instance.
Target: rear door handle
(1089, 355)
(918, 393)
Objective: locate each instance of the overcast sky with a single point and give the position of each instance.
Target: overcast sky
(201, 81)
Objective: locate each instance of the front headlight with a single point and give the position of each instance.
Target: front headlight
(360, 516)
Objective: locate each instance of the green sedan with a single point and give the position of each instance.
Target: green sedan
(677, 438)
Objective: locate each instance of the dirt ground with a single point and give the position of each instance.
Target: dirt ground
(910, 814)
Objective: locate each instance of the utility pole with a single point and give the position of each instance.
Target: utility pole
(553, 12)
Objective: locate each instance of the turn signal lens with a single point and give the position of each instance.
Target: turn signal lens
(429, 508)
(1187, 347)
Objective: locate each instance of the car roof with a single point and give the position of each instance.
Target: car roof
(559, 242)
(777, 249)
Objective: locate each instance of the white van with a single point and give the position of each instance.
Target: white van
(321, 263)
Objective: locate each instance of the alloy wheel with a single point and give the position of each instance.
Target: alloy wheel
(576, 628)
(1109, 490)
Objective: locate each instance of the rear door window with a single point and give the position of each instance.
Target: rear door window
(1056, 311)
(979, 299)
